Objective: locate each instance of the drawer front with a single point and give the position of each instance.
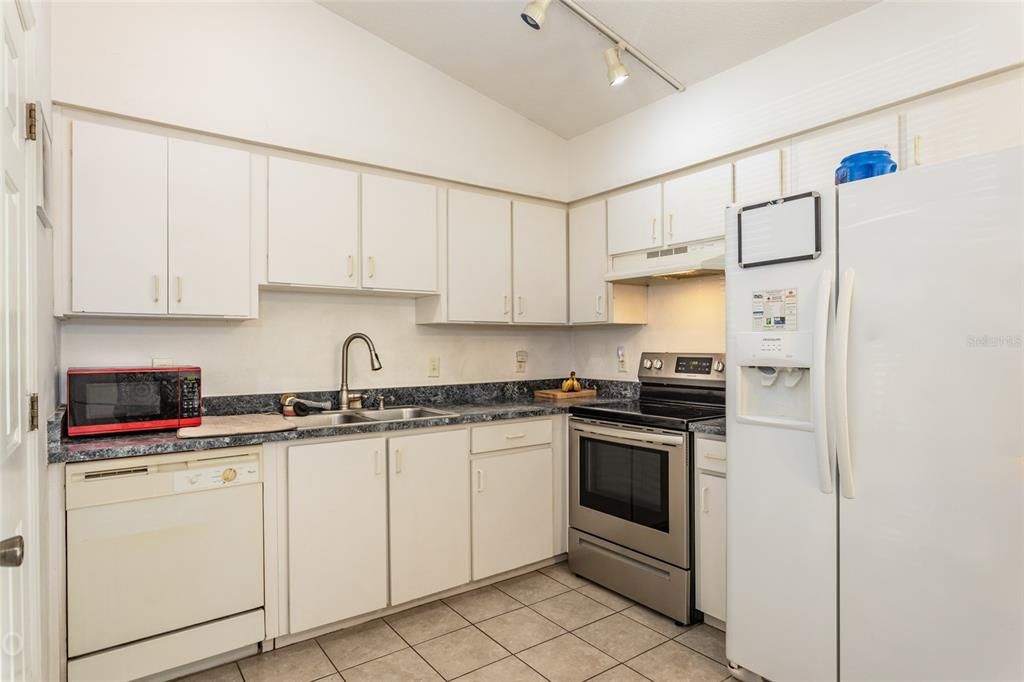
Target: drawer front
(512, 435)
(710, 453)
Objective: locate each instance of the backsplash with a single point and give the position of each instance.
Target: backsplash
(445, 394)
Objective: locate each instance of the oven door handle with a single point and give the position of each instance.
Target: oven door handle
(636, 436)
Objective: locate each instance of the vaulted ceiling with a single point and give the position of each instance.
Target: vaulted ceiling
(556, 76)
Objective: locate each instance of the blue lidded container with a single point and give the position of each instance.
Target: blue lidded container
(865, 165)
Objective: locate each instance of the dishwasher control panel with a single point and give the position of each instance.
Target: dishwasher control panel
(216, 476)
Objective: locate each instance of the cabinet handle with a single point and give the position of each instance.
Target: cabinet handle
(917, 150)
(597, 310)
(506, 304)
(704, 500)
(479, 480)
(520, 305)
(372, 264)
(351, 266)
(670, 221)
(377, 468)
(515, 436)
(156, 288)
(177, 285)
(398, 461)
(654, 226)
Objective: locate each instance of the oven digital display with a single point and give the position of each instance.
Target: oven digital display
(690, 365)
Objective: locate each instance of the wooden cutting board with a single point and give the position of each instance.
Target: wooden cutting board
(236, 425)
(555, 394)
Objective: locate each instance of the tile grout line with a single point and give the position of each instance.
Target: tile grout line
(412, 648)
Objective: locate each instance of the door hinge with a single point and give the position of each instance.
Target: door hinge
(31, 114)
(33, 412)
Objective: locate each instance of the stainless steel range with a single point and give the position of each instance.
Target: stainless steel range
(630, 477)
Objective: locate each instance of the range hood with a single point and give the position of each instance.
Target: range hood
(700, 259)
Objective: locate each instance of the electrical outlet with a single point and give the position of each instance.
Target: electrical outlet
(620, 353)
(434, 368)
(521, 358)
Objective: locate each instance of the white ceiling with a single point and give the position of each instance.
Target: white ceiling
(556, 76)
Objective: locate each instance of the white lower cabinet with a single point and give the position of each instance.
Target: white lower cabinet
(337, 531)
(429, 505)
(711, 565)
(513, 510)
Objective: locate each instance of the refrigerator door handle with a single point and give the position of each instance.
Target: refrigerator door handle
(819, 383)
(843, 311)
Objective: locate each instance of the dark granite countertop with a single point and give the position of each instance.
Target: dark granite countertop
(63, 449)
(714, 427)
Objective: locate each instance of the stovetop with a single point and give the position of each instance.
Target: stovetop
(675, 390)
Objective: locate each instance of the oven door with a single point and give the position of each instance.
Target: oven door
(109, 401)
(631, 486)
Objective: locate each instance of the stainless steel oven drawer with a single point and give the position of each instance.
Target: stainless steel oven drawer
(663, 587)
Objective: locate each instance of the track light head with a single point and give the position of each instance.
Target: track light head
(533, 13)
(617, 72)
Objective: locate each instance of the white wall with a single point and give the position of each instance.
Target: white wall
(686, 315)
(887, 53)
(295, 75)
(295, 345)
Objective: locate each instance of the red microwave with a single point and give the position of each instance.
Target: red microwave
(116, 400)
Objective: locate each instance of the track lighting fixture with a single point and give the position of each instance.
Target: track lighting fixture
(617, 72)
(533, 13)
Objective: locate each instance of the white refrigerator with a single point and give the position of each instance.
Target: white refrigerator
(876, 428)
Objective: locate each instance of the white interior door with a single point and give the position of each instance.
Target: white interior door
(399, 230)
(479, 257)
(313, 218)
(19, 590)
(208, 227)
(539, 277)
(588, 263)
(118, 220)
(930, 517)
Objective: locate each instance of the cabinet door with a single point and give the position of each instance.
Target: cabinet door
(513, 511)
(429, 505)
(539, 279)
(695, 205)
(711, 571)
(759, 178)
(979, 118)
(313, 217)
(634, 220)
(813, 159)
(337, 531)
(588, 264)
(399, 230)
(479, 257)
(118, 220)
(209, 252)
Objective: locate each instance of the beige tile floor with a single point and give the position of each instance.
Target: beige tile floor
(546, 625)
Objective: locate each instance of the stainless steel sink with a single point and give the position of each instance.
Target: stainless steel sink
(390, 414)
(335, 418)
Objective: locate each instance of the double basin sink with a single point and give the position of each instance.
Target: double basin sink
(367, 416)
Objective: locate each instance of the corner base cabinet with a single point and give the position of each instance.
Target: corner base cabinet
(429, 505)
(337, 531)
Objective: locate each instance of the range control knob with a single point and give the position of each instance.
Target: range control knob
(658, 364)
(647, 363)
(719, 366)
(229, 475)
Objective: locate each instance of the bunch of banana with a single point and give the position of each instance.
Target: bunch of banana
(572, 384)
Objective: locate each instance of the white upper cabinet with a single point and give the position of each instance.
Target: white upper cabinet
(978, 118)
(634, 220)
(313, 218)
(118, 220)
(539, 273)
(695, 205)
(588, 264)
(759, 178)
(479, 257)
(399, 229)
(813, 159)
(209, 250)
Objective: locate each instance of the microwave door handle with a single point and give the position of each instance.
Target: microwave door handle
(819, 384)
(638, 437)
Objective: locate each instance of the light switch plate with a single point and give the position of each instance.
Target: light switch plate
(434, 368)
(521, 358)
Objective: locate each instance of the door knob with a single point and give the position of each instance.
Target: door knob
(12, 551)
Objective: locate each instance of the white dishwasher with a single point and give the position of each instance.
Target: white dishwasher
(164, 560)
